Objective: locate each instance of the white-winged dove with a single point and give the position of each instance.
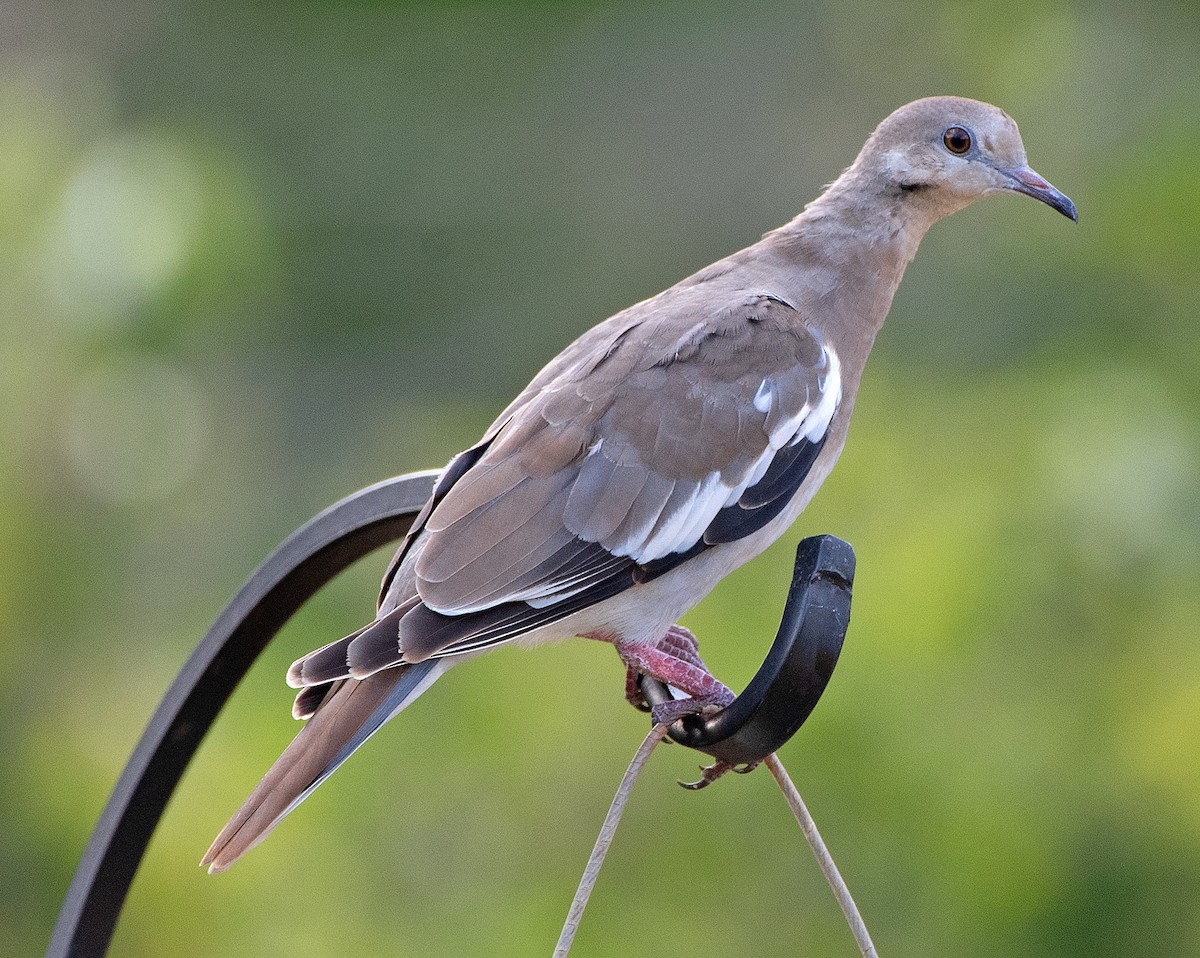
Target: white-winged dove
(658, 452)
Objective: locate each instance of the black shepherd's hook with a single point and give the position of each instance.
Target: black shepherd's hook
(796, 670)
(763, 717)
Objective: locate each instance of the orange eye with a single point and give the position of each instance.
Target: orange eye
(957, 140)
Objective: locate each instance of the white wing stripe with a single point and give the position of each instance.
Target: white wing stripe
(764, 397)
(718, 497)
(787, 431)
(667, 531)
(831, 394)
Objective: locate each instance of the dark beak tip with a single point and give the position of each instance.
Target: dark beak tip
(1025, 180)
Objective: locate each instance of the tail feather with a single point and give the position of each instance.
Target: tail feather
(337, 659)
(322, 665)
(309, 699)
(352, 711)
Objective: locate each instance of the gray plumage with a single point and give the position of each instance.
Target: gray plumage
(659, 451)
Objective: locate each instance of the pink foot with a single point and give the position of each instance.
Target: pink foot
(677, 641)
(675, 662)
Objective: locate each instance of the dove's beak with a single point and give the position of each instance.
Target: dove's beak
(1024, 180)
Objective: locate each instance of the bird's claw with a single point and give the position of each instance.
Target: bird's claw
(710, 773)
(668, 713)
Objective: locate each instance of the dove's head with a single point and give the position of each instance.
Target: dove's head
(946, 152)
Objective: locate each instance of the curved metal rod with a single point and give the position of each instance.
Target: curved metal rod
(304, 562)
(767, 714)
(788, 684)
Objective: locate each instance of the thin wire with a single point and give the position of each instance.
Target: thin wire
(604, 840)
(857, 927)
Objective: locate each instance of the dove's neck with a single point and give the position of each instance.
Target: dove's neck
(846, 253)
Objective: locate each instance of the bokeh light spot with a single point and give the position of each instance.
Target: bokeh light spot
(127, 220)
(135, 430)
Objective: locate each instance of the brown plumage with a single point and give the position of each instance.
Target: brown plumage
(659, 451)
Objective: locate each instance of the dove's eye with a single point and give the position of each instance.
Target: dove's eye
(957, 140)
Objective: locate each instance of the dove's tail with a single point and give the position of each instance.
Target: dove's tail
(351, 712)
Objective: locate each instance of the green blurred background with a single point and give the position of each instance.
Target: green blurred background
(256, 256)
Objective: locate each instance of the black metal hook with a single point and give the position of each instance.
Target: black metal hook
(788, 684)
(763, 717)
